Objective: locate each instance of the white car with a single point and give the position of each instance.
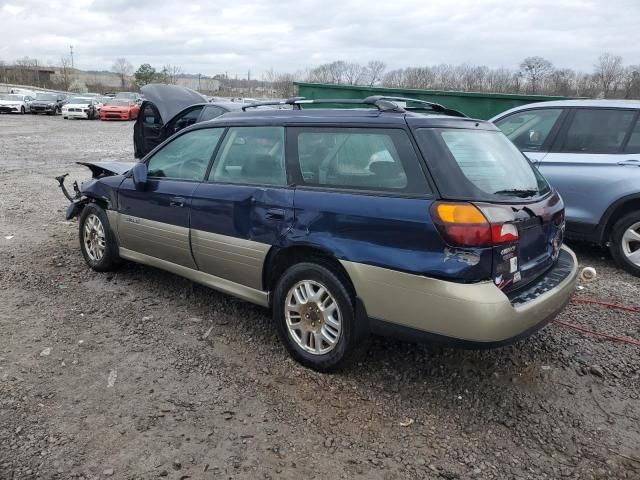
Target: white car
(15, 103)
(81, 107)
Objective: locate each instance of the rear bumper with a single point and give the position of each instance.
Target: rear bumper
(469, 315)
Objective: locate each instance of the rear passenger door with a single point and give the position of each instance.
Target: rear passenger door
(589, 161)
(244, 207)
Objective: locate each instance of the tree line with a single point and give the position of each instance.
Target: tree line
(609, 77)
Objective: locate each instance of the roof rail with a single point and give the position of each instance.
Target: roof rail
(435, 107)
(288, 101)
(382, 103)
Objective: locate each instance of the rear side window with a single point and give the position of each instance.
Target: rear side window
(479, 165)
(633, 146)
(597, 130)
(251, 155)
(210, 113)
(529, 129)
(357, 158)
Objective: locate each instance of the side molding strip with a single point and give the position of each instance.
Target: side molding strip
(245, 293)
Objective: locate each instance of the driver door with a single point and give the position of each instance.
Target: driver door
(155, 221)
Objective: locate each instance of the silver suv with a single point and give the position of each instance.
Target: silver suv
(590, 151)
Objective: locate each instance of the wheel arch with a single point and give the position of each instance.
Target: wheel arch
(279, 259)
(616, 211)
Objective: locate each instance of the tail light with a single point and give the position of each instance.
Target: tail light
(467, 225)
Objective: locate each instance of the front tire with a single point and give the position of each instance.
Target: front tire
(97, 241)
(22, 110)
(625, 243)
(313, 309)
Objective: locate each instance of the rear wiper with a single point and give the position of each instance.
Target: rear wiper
(517, 192)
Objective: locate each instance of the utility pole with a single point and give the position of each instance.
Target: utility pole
(71, 50)
(199, 88)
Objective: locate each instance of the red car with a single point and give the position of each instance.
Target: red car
(119, 109)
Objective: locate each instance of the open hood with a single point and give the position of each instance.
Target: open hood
(170, 99)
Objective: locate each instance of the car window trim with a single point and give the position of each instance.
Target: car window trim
(248, 184)
(298, 179)
(181, 133)
(562, 136)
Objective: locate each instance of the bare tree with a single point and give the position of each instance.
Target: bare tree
(631, 82)
(171, 73)
(375, 69)
(354, 73)
(535, 70)
(609, 72)
(66, 77)
(123, 69)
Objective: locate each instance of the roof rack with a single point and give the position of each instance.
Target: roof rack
(382, 103)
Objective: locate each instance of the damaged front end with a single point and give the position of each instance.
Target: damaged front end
(104, 176)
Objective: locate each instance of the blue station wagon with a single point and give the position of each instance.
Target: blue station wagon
(380, 219)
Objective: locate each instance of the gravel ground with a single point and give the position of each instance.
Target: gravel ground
(142, 374)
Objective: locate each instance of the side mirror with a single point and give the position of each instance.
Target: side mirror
(139, 172)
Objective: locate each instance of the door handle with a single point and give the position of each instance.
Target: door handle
(276, 213)
(630, 163)
(176, 202)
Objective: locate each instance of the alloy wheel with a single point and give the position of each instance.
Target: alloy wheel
(313, 317)
(631, 244)
(94, 238)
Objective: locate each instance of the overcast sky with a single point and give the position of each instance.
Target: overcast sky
(234, 36)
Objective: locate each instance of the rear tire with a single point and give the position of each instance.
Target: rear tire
(314, 314)
(97, 241)
(625, 243)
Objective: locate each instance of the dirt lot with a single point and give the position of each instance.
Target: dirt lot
(141, 374)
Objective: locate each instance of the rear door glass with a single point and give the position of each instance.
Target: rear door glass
(530, 129)
(211, 112)
(597, 130)
(356, 158)
(251, 156)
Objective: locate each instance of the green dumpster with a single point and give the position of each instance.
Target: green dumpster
(473, 104)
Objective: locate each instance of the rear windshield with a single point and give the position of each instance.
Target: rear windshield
(118, 103)
(479, 165)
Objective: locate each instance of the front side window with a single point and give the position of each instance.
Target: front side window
(186, 157)
(529, 130)
(479, 165)
(251, 155)
(357, 158)
(597, 130)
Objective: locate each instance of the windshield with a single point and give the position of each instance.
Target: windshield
(118, 103)
(50, 97)
(480, 165)
(79, 100)
(12, 96)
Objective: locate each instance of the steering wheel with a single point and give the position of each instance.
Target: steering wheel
(193, 169)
